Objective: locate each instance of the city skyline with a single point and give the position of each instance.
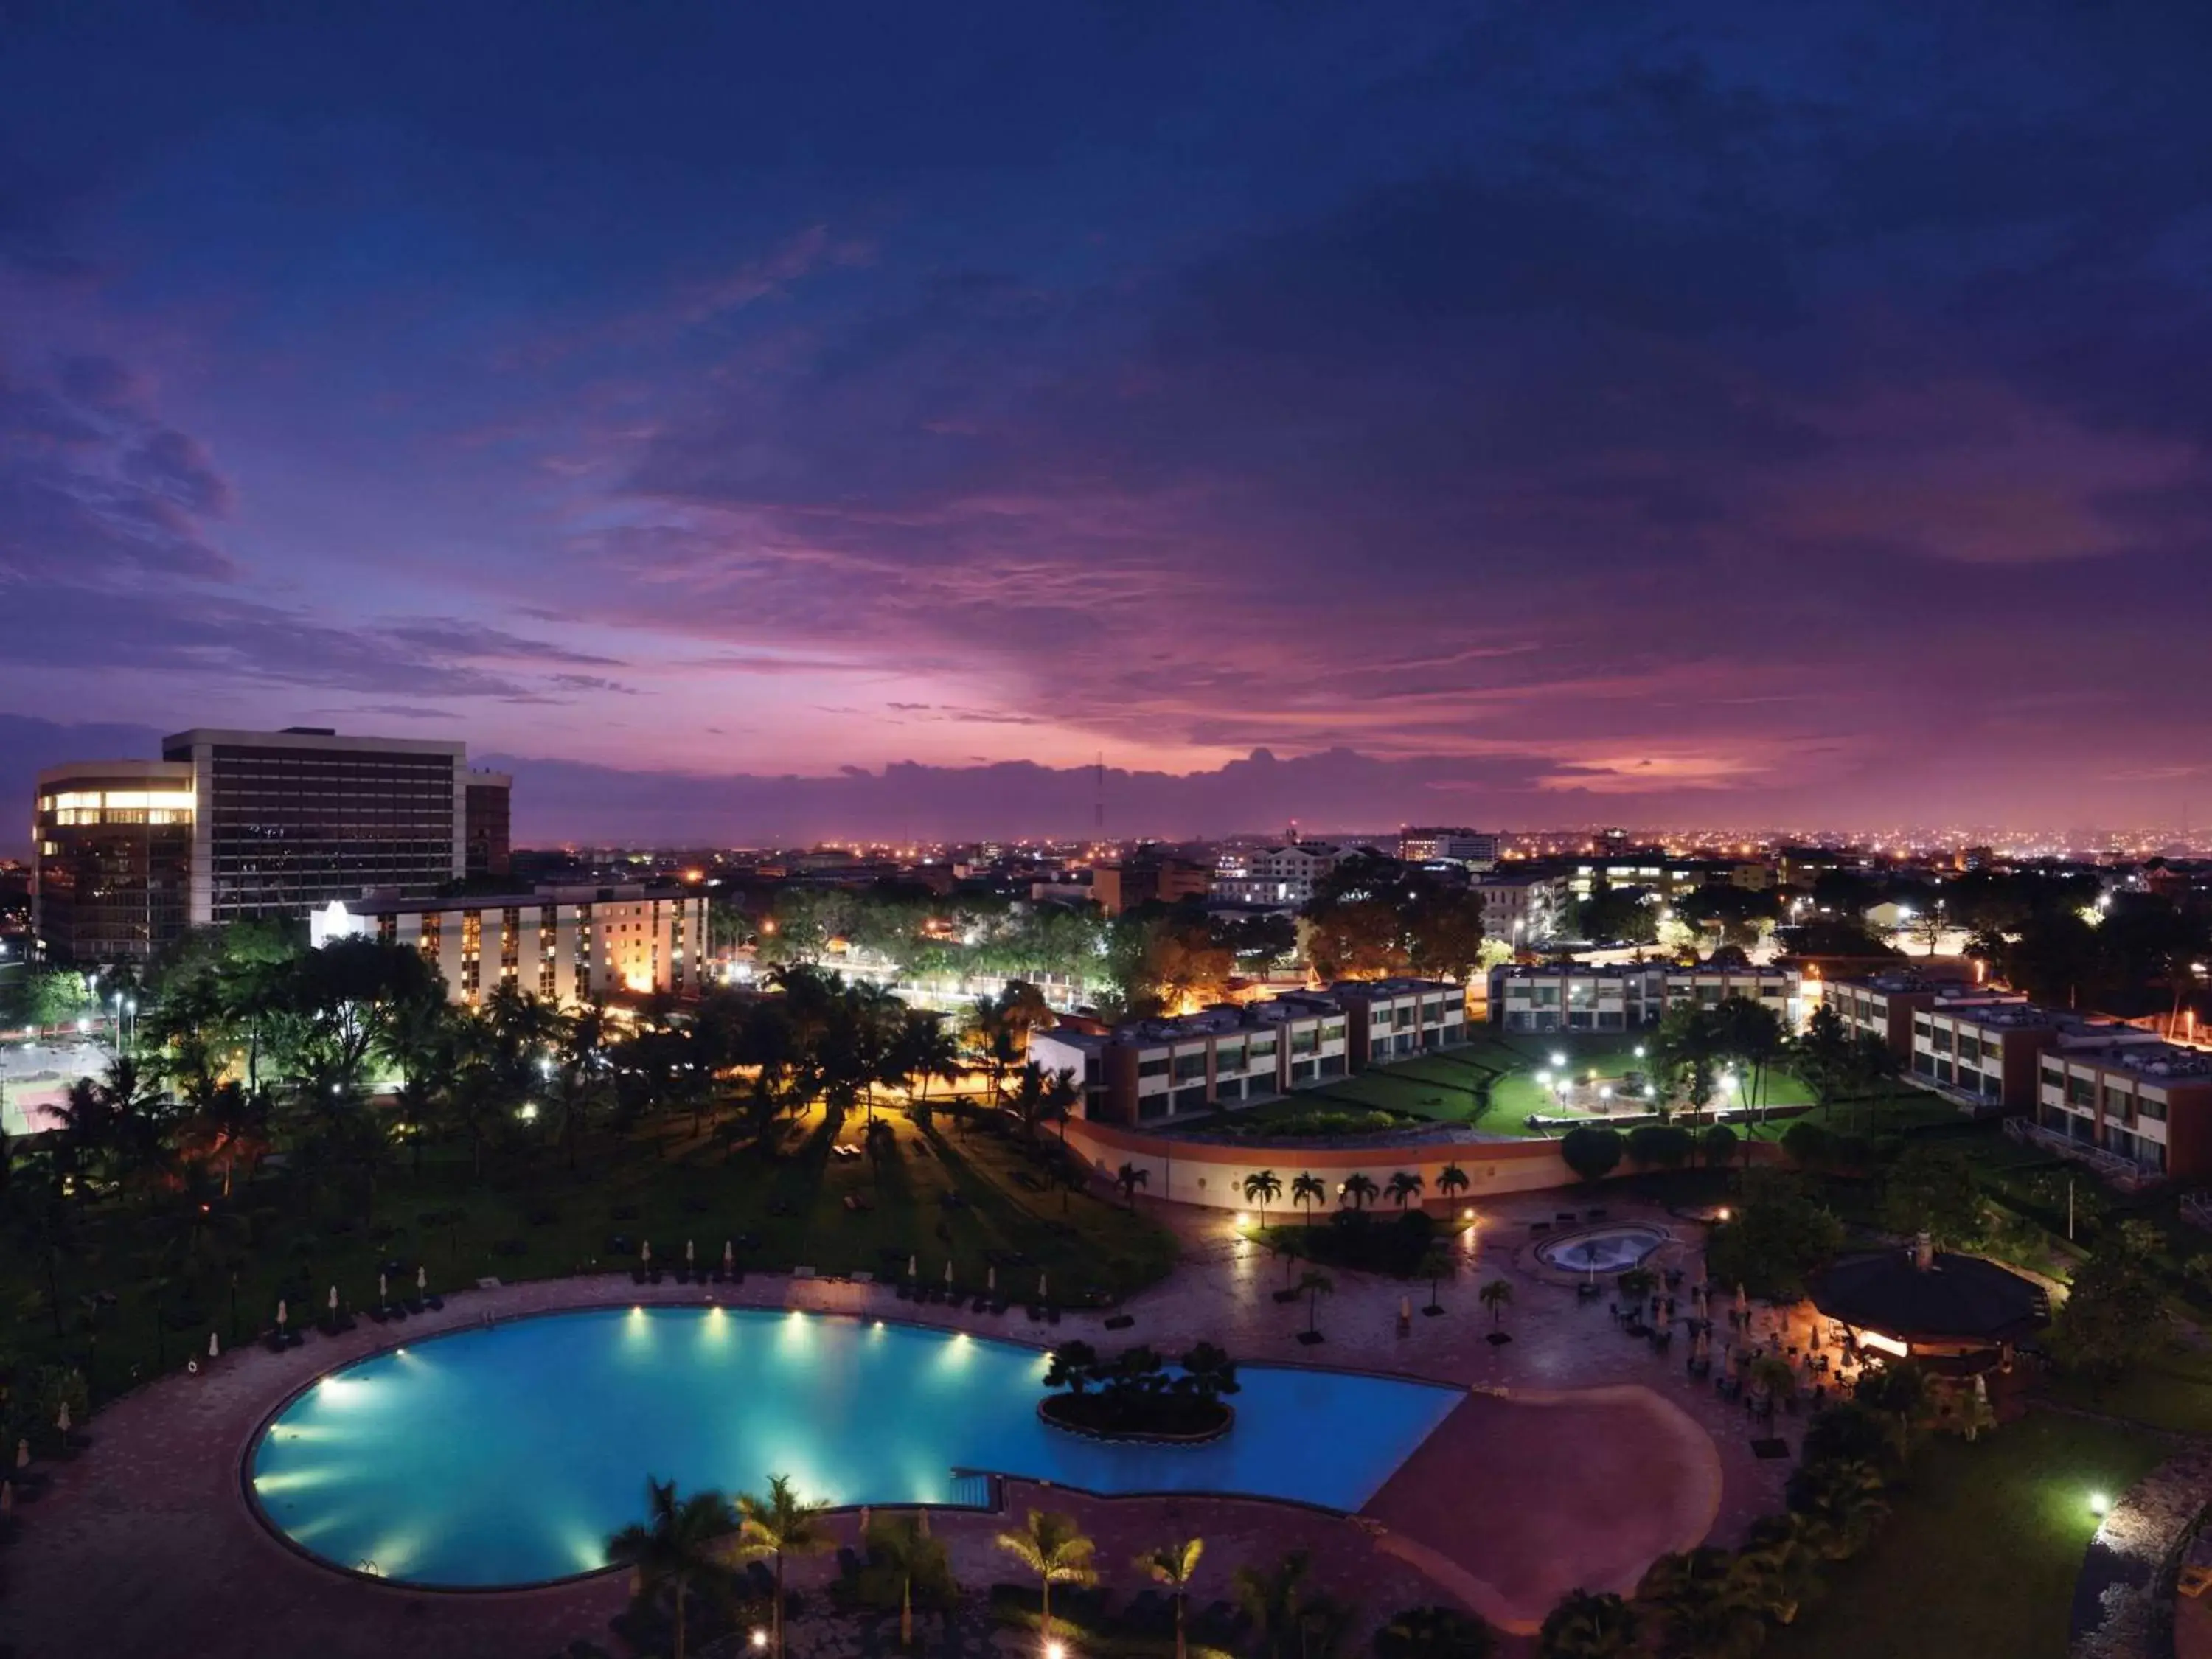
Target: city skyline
(747, 428)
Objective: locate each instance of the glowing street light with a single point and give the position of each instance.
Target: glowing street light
(2100, 1504)
(1558, 1061)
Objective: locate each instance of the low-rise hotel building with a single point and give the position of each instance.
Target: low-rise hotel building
(1152, 1071)
(1521, 910)
(2145, 1105)
(566, 945)
(1883, 1005)
(1633, 996)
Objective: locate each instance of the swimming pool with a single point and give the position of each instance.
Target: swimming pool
(506, 1455)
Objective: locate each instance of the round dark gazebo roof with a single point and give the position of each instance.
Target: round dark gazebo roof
(1956, 1297)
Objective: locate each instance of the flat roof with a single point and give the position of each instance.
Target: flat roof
(310, 740)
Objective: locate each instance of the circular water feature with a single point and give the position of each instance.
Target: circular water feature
(1603, 1250)
(505, 1456)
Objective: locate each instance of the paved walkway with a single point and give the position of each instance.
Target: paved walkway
(145, 1544)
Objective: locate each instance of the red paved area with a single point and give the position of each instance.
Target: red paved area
(1535, 1497)
(145, 1545)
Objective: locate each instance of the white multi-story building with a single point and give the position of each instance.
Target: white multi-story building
(1149, 1070)
(1634, 996)
(566, 945)
(1522, 910)
(1441, 844)
(1281, 877)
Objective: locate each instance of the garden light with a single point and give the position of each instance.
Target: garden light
(2099, 1503)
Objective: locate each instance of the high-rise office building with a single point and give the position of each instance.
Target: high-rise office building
(231, 826)
(290, 820)
(490, 850)
(114, 840)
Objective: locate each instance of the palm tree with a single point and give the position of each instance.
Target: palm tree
(1842, 1504)
(1308, 1189)
(1404, 1185)
(1128, 1178)
(1049, 1546)
(777, 1524)
(1316, 1285)
(901, 1544)
(1451, 1180)
(1780, 1565)
(1436, 1632)
(1437, 1265)
(1262, 1187)
(1699, 1602)
(1587, 1626)
(1359, 1186)
(1275, 1603)
(677, 1546)
(1174, 1566)
(1496, 1295)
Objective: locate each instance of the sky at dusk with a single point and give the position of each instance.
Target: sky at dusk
(1512, 414)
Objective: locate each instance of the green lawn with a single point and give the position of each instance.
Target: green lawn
(535, 1218)
(2170, 1391)
(1979, 1559)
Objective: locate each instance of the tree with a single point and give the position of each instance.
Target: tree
(1584, 1625)
(1262, 1187)
(1659, 1146)
(1842, 1501)
(1496, 1296)
(1697, 1605)
(1175, 1564)
(1277, 1603)
(1779, 1566)
(1404, 1186)
(1931, 1189)
(1593, 1154)
(901, 1547)
(1718, 1143)
(777, 1524)
(677, 1547)
(1359, 1186)
(2114, 1316)
(1774, 1238)
(1308, 1189)
(1435, 1632)
(1437, 1266)
(1314, 1285)
(1452, 1181)
(1050, 1546)
(1128, 1178)
(1822, 1057)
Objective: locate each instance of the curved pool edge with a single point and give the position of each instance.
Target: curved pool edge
(266, 1526)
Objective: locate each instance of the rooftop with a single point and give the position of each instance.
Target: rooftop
(1960, 1297)
(2151, 1057)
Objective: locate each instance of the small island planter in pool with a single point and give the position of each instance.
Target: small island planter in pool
(504, 1457)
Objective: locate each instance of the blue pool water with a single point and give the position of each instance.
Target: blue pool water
(506, 1455)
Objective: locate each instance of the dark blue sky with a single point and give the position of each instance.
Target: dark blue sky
(1523, 413)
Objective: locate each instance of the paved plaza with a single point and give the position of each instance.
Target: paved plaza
(1578, 1455)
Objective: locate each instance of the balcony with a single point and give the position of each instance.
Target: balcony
(2108, 1167)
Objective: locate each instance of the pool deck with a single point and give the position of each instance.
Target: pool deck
(145, 1544)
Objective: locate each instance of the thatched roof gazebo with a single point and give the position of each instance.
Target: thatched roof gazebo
(1923, 1299)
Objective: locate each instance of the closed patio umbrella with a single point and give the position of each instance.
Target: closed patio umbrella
(383, 1289)
(991, 1280)
(421, 1278)
(282, 1313)
(645, 1252)
(1660, 1320)
(1701, 1349)
(729, 1254)
(1742, 1302)
(689, 1257)
(334, 1299)
(215, 1348)
(62, 1419)
(1040, 1287)
(23, 1453)
(914, 1266)
(948, 1270)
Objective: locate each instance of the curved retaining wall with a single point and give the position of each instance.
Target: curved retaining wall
(2123, 1599)
(1211, 1173)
